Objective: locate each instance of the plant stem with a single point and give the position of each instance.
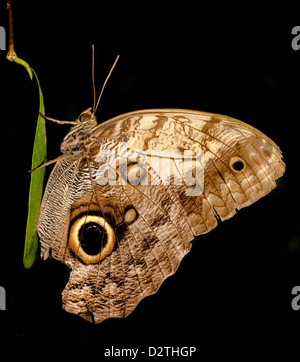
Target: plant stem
(11, 55)
(11, 50)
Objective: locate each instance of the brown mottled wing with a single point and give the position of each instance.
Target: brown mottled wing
(150, 247)
(55, 209)
(221, 138)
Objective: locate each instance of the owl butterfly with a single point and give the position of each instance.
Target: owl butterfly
(127, 196)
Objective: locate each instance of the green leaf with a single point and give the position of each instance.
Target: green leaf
(39, 156)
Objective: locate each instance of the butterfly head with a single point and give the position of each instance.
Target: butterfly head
(87, 118)
(77, 137)
(83, 123)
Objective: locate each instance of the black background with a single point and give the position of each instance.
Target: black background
(234, 288)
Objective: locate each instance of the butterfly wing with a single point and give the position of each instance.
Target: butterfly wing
(144, 228)
(223, 140)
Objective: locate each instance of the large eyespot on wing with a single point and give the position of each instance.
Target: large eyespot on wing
(91, 238)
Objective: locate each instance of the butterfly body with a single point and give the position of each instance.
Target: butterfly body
(123, 204)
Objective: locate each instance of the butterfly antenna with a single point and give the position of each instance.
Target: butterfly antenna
(93, 77)
(104, 84)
